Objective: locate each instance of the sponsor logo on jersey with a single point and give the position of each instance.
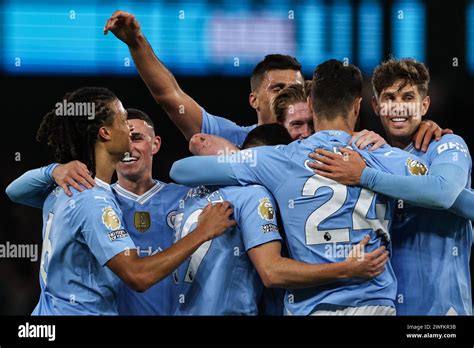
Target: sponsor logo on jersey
(450, 145)
(117, 234)
(416, 167)
(267, 228)
(142, 221)
(265, 209)
(110, 218)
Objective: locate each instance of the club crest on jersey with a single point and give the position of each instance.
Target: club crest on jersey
(265, 209)
(142, 221)
(110, 218)
(416, 167)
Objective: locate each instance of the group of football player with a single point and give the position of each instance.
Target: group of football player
(298, 214)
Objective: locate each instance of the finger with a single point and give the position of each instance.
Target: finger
(323, 159)
(321, 167)
(364, 241)
(381, 260)
(325, 174)
(231, 223)
(357, 135)
(86, 175)
(378, 272)
(363, 143)
(447, 131)
(66, 190)
(377, 252)
(419, 136)
(75, 185)
(326, 153)
(80, 180)
(119, 14)
(377, 145)
(428, 136)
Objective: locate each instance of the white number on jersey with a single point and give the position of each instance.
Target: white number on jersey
(314, 235)
(47, 248)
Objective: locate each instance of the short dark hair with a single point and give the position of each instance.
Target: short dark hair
(135, 114)
(267, 134)
(335, 86)
(74, 138)
(407, 69)
(272, 62)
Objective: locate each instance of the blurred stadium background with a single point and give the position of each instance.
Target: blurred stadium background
(50, 47)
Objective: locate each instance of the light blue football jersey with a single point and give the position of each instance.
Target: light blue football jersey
(224, 128)
(323, 219)
(431, 248)
(149, 220)
(80, 235)
(219, 278)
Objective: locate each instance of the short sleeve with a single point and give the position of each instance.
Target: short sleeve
(224, 128)
(102, 228)
(257, 217)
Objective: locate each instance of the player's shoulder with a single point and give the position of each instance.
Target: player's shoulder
(448, 142)
(242, 195)
(94, 197)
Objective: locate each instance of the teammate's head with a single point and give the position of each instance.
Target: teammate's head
(84, 122)
(202, 144)
(400, 96)
(291, 111)
(145, 144)
(336, 92)
(269, 76)
(267, 134)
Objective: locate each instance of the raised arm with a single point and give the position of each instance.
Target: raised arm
(180, 107)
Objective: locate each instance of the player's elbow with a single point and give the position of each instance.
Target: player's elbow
(11, 193)
(270, 276)
(139, 282)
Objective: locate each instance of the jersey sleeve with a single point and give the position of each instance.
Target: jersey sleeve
(102, 227)
(32, 187)
(452, 150)
(224, 128)
(263, 165)
(257, 217)
(436, 189)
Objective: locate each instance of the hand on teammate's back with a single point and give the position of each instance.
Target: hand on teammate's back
(215, 219)
(124, 26)
(366, 265)
(365, 137)
(75, 174)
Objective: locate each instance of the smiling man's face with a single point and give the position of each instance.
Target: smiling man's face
(401, 108)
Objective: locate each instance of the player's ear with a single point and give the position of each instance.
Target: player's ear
(356, 106)
(375, 105)
(309, 102)
(155, 147)
(253, 100)
(104, 133)
(425, 105)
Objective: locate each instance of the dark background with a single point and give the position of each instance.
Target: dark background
(25, 100)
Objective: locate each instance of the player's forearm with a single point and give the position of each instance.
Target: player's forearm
(438, 190)
(32, 187)
(288, 273)
(152, 269)
(464, 205)
(182, 109)
(203, 170)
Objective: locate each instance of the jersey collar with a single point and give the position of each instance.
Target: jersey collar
(139, 198)
(102, 183)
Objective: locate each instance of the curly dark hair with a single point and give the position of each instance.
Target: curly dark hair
(73, 137)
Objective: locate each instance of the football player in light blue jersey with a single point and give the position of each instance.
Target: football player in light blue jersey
(84, 233)
(322, 218)
(431, 248)
(220, 277)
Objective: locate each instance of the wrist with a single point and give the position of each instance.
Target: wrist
(49, 171)
(138, 42)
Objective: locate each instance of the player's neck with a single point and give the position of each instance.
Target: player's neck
(265, 119)
(338, 123)
(104, 165)
(137, 186)
(399, 142)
